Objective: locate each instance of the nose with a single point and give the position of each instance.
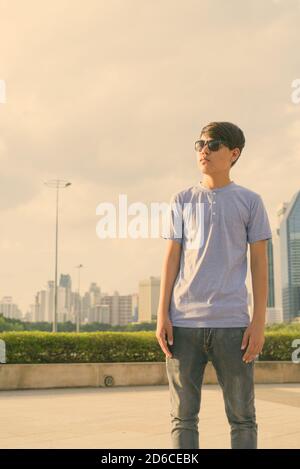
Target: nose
(203, 154)
(205, 150)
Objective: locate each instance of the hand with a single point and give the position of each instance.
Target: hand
(255, 334)
(164, 328)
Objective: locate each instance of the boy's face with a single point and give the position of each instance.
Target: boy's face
(220, 161)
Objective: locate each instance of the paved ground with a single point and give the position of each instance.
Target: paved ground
(136, 417)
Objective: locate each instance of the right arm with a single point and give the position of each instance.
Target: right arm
(170, 268)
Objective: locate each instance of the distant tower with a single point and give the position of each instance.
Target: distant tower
(271, 286)
(148, 299)
(289, 215)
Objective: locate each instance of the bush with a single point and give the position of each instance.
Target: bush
(85, 347)
(106, 347)
(278, 342)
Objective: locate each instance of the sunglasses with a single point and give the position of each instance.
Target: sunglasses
(213, 145)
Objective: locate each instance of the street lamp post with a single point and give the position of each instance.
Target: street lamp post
(78, 315)
(56, 184)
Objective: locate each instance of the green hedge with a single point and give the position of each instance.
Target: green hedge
(101, 347)
(278, 345)
(84, 347)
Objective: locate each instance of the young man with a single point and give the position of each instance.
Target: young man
(203, 306)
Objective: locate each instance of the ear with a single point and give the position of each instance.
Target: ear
(235, 155)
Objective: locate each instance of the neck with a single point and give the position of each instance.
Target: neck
(215, 181)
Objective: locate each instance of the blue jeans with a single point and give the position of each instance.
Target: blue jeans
(192, 348)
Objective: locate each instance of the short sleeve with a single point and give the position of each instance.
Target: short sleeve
(258, 227)
(173, 226)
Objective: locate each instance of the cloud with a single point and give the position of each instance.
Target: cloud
(111, 96)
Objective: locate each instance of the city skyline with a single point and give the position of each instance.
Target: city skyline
(280, 211)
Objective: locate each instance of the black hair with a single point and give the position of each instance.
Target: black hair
(227, 131)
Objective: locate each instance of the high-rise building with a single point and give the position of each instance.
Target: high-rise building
(277, 270)
(62, 309)
(65, 283)
(9, 309)
(90, 302)
(41, 310)
(95, 293)
(274, 303)
(271, 284)
(119, 308)
(100, 314)
(274, 315)
(125, 309)
(50, 314)
(289, 231)
(149, 290)
(135, 307)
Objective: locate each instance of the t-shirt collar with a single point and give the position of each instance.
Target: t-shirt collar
(217, 189)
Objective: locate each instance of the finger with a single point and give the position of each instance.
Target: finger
(244, 341)
(251, 355)
(249, 352)
(164, 347)
(170, 338)
(248, 360)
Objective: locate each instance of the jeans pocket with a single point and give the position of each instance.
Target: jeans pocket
(236, 335)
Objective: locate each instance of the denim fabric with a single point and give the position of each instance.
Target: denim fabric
(192, 348)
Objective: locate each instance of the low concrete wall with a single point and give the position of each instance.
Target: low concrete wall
(66, 375)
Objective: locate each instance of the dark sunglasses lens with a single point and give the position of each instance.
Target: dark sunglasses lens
(199, 145)
(214, 145)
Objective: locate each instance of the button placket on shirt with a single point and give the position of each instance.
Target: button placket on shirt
(214, 202)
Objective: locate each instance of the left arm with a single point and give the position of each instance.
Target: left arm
(259, 273)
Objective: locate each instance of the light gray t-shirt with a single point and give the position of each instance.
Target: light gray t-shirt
(214, 227)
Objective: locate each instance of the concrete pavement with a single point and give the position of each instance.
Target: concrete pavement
(137, 417)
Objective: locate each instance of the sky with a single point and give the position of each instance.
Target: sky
(111, 97)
